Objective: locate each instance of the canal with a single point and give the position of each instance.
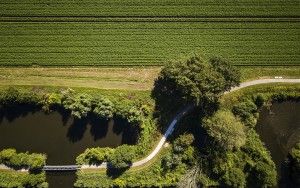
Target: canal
(279, 129)
(58, 135)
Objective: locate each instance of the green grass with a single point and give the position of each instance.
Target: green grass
(228, 100)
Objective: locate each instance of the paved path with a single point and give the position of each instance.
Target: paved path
(171, 128)
(185, 111)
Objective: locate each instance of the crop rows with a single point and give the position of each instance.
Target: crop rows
(155, 8)
(147, 43)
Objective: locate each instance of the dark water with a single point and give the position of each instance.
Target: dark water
(59, 136)
(279, 129)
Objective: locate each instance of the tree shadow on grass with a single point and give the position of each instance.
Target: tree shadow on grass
(116, 172)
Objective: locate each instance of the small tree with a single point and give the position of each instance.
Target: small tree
(225, 129)
(80, 104)
(103, 107)
(94, 156)
(122, 157)
(246, 111)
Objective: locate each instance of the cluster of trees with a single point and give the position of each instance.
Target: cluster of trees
(13, 159)
(12, 96)
(294, 163)
(118, 158)
(194, 81)
(80, 105)
(249, 166)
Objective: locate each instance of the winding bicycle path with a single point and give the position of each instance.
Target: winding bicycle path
(187, 110)
(169, 130)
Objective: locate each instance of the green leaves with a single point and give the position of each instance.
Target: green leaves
(122, 157)
(225, 129)
(32, 161)
(194, 81)
(94, 156)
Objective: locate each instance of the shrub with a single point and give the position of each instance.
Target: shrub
(122, 157)
(246, 111)
(294, 163)
(94, 156)
(225, 129)
(10, 96)
(130, 113)
(234, 177)
(49, 100)
(32, 161)
(103, 108)
(79, 105)
(261, 168)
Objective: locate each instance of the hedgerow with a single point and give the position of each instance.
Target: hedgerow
(13, 159)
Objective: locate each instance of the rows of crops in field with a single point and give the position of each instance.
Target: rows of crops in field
(287, 8)
(148, 32)
(147, 43)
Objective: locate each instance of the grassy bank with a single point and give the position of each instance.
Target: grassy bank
(136, 78)
(11, 178)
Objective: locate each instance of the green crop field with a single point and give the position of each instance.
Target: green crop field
(144, 32)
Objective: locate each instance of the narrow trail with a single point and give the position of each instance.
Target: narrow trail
(169, 131)
(187, 110)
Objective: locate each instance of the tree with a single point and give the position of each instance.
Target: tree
(194, 81)
(234, 177)
(225, 129)
(94, 156)
(10, 96)
(294, 163)
(79, 104)
(122, 157)
(103, 107)
(246, 111)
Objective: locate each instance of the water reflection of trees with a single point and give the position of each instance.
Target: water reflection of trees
(99, 129)
(12, 112)
(77, 127)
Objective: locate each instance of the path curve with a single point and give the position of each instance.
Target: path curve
(176, 119)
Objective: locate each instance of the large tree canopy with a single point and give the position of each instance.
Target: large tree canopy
(194, 81)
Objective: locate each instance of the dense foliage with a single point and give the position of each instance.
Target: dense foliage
(183, 152)
(32, 161)
(122, 157)
(94, 156)
(294, 163)
(194, 81)
(10, 179)
(247, 111)
(156, 175)
(225, 129)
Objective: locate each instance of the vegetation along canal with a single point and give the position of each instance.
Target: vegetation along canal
(279, 129)
(59, 135)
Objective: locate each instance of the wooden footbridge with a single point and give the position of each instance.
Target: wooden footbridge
(61, 168)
